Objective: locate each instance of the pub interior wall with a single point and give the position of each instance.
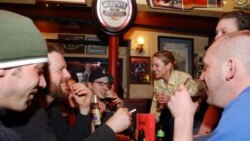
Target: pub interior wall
(151, 46)
(138, 91)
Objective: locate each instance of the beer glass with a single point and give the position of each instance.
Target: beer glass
(196, 89)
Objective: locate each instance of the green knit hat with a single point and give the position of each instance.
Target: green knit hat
(21, 43)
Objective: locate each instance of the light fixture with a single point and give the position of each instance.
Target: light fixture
(140, 45)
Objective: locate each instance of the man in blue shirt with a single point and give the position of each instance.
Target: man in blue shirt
(226, 74)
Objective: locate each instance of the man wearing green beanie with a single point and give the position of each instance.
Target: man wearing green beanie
(23, 54)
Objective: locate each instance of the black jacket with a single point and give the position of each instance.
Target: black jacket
(38, 124)
(81, 129)
(7, 134)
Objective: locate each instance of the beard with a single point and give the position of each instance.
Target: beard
(56, 91)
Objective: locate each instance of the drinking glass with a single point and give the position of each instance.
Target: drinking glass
(112, 106)
(159, 93)
(196, 89)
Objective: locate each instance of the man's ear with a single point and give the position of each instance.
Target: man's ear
(231, 69)
(170, 66)
(2, 72)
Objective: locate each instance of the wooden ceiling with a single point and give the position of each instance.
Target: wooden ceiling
(78, 19)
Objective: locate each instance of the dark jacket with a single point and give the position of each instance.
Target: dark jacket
(81, 129)
(38, 124)
(61, 127)
(7, 134)
(32, 124)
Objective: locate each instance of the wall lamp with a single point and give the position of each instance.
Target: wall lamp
(140, 45)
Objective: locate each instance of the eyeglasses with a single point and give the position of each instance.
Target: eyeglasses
(101, 83)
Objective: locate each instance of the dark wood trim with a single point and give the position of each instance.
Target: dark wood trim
(123, 43)
(176, 23)
(72, 19)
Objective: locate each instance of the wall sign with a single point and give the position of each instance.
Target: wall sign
(184, 4)
(114, 16)
(66, 1)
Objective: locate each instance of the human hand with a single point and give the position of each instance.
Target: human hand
(102, 106)
(120, 121)
(113, 101)
(181, 104)
(162, 98)
(83, 97)
(203, 131)
(201, 134)
(117, 100)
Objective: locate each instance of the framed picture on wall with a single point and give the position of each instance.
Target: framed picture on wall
(95, 48)
(86, 64)
(139, 70)
(72, 43)
(182, 49)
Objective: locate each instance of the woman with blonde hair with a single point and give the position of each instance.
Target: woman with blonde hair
(167, 82)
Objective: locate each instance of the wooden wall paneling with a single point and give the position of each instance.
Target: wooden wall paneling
(66, 17)
(174, 22)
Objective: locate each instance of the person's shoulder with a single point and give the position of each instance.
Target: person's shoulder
(182, 74)
(7, 134)
(5, 130)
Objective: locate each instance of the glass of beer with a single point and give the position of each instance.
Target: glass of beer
(159, 93)
(196, 89)
(112, 106)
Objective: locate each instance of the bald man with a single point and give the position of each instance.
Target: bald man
(226, 74)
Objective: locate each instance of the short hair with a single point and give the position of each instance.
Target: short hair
(236, 44)
(55, 47)
(242, 19)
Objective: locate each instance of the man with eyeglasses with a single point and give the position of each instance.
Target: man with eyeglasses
(100, 85)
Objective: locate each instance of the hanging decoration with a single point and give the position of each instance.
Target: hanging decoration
(114, 16)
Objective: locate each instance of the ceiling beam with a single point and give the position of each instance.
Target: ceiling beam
(79, 19)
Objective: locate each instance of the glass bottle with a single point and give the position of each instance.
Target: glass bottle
(141, 135)
(160, 134)
(95, 110)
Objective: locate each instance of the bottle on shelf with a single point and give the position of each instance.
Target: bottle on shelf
(95, 110)
(160, 134)
(141, 135)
